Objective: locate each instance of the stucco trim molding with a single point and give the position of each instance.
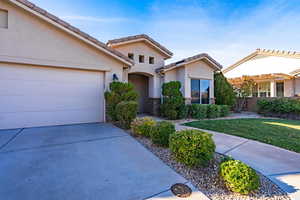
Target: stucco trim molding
(52, 63)
(43, 14)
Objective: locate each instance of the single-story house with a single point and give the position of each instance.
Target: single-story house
(51, 73)
(276, 73)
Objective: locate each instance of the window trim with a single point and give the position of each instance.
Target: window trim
(131, 56)
(151, 60)
(141, 59)
(6, 12)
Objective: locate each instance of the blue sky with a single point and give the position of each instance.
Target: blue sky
(226, 29)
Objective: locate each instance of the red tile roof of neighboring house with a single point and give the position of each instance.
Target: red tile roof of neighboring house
(141, 37)
(75, 30)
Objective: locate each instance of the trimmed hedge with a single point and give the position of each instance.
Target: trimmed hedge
(173, 101)
(126, 111)
(143, 126)
(202, 111)
(192, 147)
(118, 92)
(279, 107)
(239, 177)
(161, 133)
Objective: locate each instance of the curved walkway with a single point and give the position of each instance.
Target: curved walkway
(280, 165)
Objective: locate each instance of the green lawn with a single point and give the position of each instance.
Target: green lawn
(277, 132)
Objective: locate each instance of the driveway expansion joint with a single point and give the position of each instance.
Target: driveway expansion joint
(12, 138)
(61, 144)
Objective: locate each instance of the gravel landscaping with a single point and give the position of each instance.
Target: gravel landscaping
(206, 179)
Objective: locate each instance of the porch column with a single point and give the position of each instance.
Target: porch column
(273, 88)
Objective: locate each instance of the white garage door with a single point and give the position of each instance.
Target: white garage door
(42, 96)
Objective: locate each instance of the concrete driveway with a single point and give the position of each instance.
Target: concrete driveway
(87, 161)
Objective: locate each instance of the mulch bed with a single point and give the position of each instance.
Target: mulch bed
(207, 180)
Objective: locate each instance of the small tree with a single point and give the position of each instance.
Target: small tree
(173, 100)
(244, 90)
(118, 93)
(224, 91)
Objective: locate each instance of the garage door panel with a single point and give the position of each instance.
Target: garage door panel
(45, 103)
(39, 96)
(21, 88)
(11, 120)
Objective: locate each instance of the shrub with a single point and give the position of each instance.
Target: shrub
(183, 112)
(143, 126)
(224, 91)
(198, 111)
(162, 131)
(224, 110)
(239, 177)
(192, 147)
(279, 106)
(119, 92)
(213, 111)
(126, 111)
(172, 100)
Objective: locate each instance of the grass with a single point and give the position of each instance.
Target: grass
(277, 132)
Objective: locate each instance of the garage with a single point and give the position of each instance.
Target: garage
(32, 96)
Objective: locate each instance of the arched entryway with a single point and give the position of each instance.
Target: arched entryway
(141, 84)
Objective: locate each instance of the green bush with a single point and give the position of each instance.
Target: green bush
(119, 92)
(192, 147)
(239, 177)
(173, 100)
(143, 126)
(213, 111)
(279, 106)
(162, 131)
(224, 92)
(224, 110)
(198, 111)
(183, 112)
(126, 112)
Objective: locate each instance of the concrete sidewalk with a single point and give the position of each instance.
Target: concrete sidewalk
(280, 165)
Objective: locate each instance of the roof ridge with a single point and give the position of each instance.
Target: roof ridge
(72, 28)
(278, 52)
(140, 36)
(190, 59)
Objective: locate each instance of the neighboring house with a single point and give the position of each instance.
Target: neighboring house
(275, 72)
(51, 73)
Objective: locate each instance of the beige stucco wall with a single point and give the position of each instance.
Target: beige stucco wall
(288, 88)
(297, 86)
(142, 48)
(29, 39)
(184, 74)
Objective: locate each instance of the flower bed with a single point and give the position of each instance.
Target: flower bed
(207, 178)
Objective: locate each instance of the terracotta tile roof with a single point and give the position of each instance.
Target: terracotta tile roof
(188, 60)
(75, 30)
(141, 36)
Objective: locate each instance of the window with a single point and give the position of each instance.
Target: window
(131, 56)
(141, 59)
(151, 60)
(264, 89)
(280, 89)
(200, 91)
(3, 19)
